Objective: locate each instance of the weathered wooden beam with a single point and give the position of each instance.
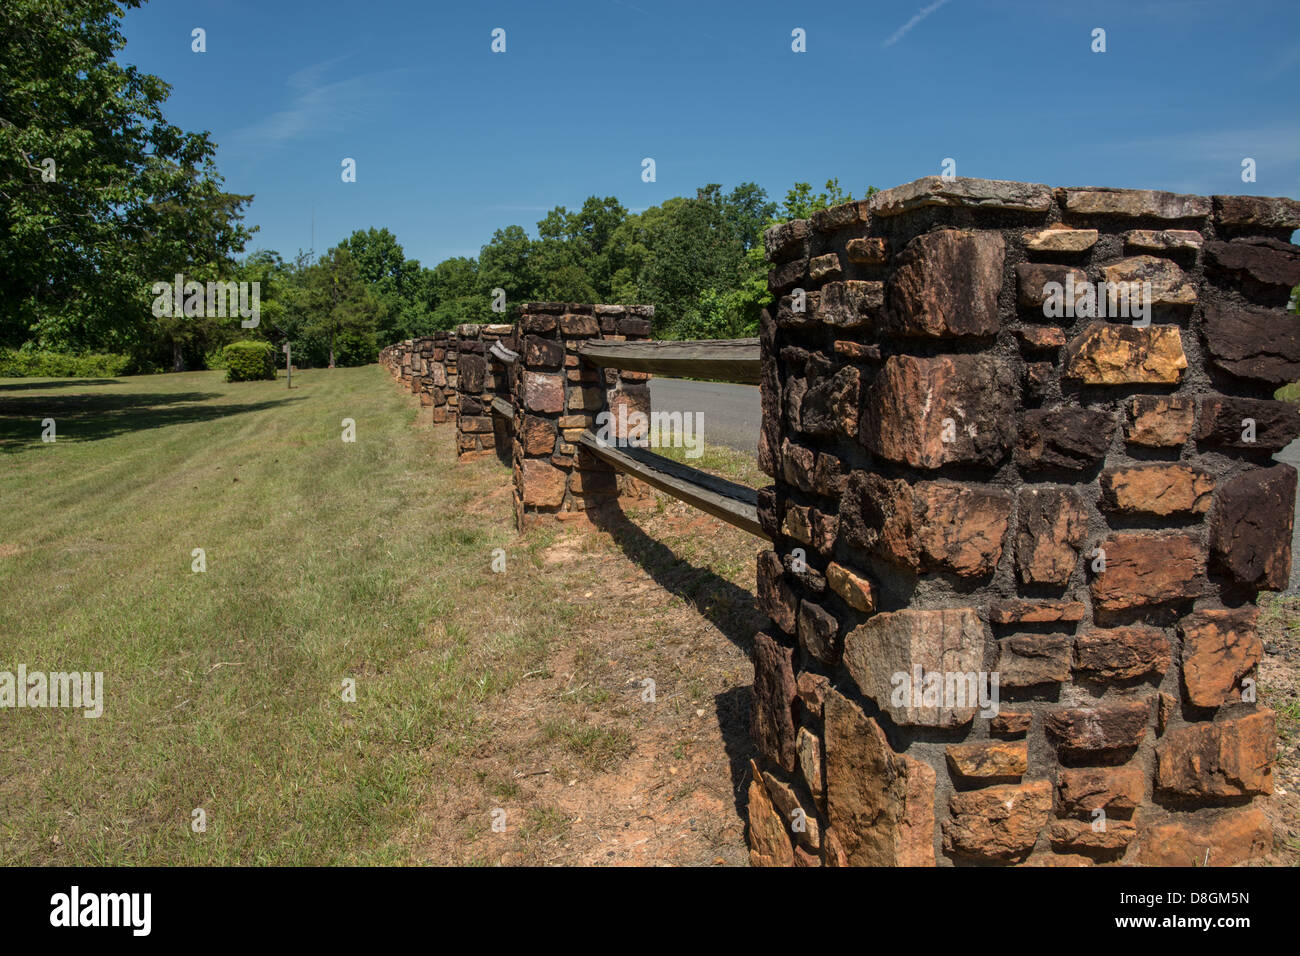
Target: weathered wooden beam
(733, 503)
(725, 360)
(503, 408)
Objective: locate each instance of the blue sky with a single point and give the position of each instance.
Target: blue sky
(453, 141)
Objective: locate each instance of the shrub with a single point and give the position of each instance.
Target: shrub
(23, 364)
(249, 361)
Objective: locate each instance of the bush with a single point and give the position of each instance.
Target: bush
(249, 361)
(24, 364)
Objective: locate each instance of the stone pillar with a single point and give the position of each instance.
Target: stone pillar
(558, 395)
(435, 384)
(481, 377)
(972, 484)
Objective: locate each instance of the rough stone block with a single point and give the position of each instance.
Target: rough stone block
(880, 804)
(1250, 529)
(1156, 490)
(946, 283)
(1223, 759)
(1107, 354)
(945, 409)
(1159, 421)
(1249, 424)
(1220, 647)
(1053, 525)
(771, 705)
(999, 823)
(947, 643)
(1090, 732)
(1262, 345)
(1122, 653)
(1065, 438)
(1144, 568)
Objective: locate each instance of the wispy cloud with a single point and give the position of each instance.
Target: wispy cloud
(318, 105)
(906, 27)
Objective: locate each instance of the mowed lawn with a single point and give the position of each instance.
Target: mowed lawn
(224, 689)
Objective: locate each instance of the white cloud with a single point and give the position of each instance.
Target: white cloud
(920, 15)
(318, 105)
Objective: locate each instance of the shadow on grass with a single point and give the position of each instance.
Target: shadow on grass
(23, 386)
(94, 417)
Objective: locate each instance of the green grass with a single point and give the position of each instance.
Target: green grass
(223, 690)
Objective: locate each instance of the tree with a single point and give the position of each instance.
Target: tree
(98, 188)
(394, 279)
(342, 312)
(801, 202)
(505, 263)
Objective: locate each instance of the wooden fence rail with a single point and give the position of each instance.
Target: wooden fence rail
(726, 360)
(733, 503)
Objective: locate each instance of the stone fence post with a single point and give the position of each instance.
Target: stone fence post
(558, 395)
(1019, 529)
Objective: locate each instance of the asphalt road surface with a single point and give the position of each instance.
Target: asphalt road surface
(731, 413)
(731, 417)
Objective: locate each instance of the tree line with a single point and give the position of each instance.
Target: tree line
(103, 198)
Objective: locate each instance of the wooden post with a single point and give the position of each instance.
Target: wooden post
(288, 362)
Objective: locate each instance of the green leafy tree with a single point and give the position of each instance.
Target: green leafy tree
(97, 190)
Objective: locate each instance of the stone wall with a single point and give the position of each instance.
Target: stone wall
(1083, 508)
(426, 366)
(557, 395)
(481, 377)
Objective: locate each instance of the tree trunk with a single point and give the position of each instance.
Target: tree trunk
(178, 360)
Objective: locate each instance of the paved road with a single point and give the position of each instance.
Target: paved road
(731, 413)
(732, 416)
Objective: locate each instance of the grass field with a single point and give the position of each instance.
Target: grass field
(329, 561)
(325, 560)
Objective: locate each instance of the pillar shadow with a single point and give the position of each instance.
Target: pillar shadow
(731, 609)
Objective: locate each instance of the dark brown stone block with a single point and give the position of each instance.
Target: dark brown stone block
(1123, 653)
(1053, 524)
(540, 352)
(929, 526)
(818, 632)
(850, 305)
(1228, 423)
(1097, 731)
(1027, 660)
(1250, 528)
(1032, 279)
(1258, 344)
(473, 373)
(946, 283)
(1068, 438)
(831, 406)
(1261, 266)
